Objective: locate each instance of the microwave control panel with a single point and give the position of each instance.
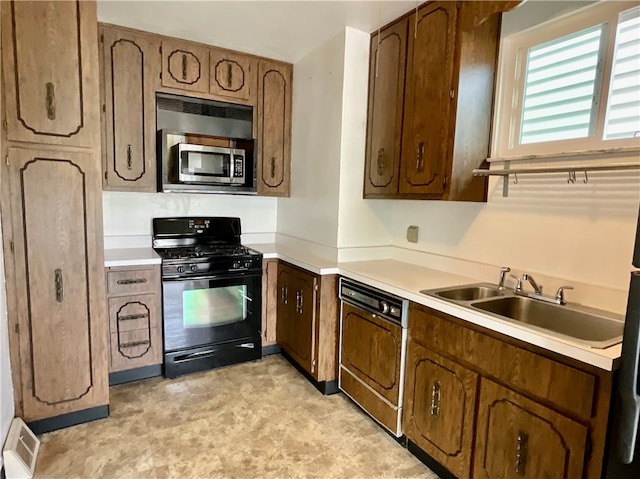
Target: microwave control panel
(238, 166)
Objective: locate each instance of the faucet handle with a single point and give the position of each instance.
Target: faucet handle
(518, 288)
(560, 293)
(505, 269)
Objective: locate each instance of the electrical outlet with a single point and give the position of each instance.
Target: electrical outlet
(412, 234)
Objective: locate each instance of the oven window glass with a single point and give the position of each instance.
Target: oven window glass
(214, 307)
(206, 163)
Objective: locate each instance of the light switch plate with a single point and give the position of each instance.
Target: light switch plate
(412, 234)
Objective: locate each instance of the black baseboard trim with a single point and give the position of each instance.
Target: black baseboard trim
(325, 387)
(67, 420)
(431, 463)
(269, 350)
(2, 474)
(145, 372)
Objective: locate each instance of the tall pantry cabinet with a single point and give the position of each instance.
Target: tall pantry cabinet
(51, 212)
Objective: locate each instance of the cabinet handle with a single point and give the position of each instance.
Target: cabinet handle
(521, 452)
(273, 167)
(131, 317)
(229, 75)
(59, 285)
(299, 302)
(380, 161)
(133, 344)
(284, 295)
(184, 67)
(51, 101)
(420, 158)
(129, 160)
(435, 399)
(132, 281)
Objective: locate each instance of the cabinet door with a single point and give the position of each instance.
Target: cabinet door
(185, 65)
(518, 438)
(384, 122)
(58, 283)
(371, 349)
(427, 126)
(269, 301)
(274, 128)
(286, 290)
(439, 404)
(130, 67)
(233, 76)
(50, 72)
(302, 344)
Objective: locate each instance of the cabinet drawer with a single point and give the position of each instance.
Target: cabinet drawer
(134, 349)
(133, 281)
(129, 313)
(379, 409)
(521, 369)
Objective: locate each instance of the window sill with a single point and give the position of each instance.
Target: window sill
(571, 155)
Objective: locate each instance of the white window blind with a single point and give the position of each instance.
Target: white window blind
(561, 87)
(623, 109)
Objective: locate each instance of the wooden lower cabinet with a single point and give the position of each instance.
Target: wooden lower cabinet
(519, 438)
(269, 301)
(486, 406)
(440, 398)
(135, 317)
(307, 320)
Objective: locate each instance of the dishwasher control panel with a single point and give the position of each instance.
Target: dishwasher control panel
(373, 300)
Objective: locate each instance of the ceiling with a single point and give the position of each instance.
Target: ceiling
(285, 30)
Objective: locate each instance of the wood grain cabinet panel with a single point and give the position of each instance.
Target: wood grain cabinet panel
(55, 205)
(375, 361)
(130, 68)
(518, 438)
(386, 101)
(429, 90)
(136, 348)
(50, 74)
(439, 404)
(185, 65)
(133, 281)
(269, 301)
(274, 128)
(233, 76)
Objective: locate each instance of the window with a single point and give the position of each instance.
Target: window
(572, 84)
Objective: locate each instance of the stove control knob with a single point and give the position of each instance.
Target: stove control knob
(384, 307)
(194, 267)
(247, 264)
(180, 269)
(236, 264)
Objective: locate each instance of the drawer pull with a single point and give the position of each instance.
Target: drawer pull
(273, 167)
(51, 101)
(229, 75)
(131, 317)
(380, 161)
(129, 159)
(521, 452)
(59, 285)
(184, 67)
(132, 281)
(285, 293)
(299, 300)
(435, 399)
(133, 344)
(420, 158)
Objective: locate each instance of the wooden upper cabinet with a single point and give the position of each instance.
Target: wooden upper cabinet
(274, 128)
(130, 69)
(185, 65)
(233, 76)
(429, 90)
(517, 438)
(59, 290)
(439, 410)
(386, 98)
(50, 74)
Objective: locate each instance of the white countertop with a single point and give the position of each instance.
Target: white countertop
(406, 280)
(130, 257)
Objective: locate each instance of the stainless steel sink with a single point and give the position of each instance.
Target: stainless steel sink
(587, 326)
(596, 331)
(470, 293)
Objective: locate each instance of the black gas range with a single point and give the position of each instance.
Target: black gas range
(212, 293)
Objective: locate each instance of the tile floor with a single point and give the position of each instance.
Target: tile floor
(252, 420)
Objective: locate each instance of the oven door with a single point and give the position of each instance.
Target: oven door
(210, 310)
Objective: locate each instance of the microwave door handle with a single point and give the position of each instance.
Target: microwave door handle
(630, 364)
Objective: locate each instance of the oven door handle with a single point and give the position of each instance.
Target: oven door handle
(213, 277)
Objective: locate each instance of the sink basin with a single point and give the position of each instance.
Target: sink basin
(591, 329)
(469, 293)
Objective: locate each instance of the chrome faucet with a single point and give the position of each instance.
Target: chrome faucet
(518, 288)
(534, 285)
(560, 294)
(503, 272)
